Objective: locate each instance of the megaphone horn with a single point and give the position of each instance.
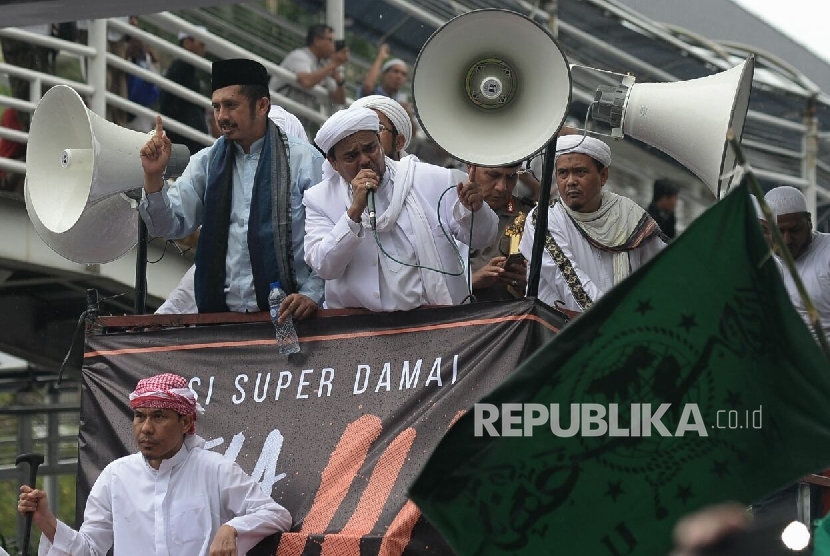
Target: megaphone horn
(491, 87)
(76, 160)
(687, 120)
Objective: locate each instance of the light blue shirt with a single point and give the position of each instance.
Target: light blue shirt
(176, 211)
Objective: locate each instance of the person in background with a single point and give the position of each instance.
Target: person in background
(139, 90)
(663, 205)
(810, 251)
(181, 110)
(393, 75)
(173, 496)
(317, 63)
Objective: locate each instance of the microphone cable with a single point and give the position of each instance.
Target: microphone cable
(450, 239)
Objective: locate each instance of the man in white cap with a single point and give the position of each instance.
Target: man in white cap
(171, 497)
(395, 126)
(393, 73)
(412, 263)
(595, 238)
(809, 249)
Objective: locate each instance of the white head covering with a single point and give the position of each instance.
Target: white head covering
(184, 34)
(594, 148)
(393, 62)
(288, 122)
(394, 111)
(344, 123)
(786, 200)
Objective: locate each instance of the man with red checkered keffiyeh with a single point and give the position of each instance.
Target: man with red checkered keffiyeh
(172, 498)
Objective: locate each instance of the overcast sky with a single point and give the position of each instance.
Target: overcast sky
(805, 21)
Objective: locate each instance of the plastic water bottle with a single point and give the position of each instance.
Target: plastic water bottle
(287, 341)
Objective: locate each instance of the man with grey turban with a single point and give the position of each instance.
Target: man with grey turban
(395, 125)
(398, 259)
(595, 238)
(809, 249)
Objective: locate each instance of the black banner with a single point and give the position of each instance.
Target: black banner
(336, 433)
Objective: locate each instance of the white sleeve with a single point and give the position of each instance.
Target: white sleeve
(256, 514)
(329, 246)
(95, 535)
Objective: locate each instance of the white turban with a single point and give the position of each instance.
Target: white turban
(393, 62)
(393, 110)
(344, 123)
(786, 200)
(579, 144)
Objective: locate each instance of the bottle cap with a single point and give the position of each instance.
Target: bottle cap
(275, 285)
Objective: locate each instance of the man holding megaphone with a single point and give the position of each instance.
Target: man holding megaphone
(246, 193)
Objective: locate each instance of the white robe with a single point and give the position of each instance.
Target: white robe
(594, 267)
(170, 511)
(357, 274)
(813, 266)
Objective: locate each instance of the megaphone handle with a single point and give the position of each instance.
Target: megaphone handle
(541, 221)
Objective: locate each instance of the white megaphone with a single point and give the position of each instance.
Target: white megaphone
(688, 120)
(79, 168)
(491, 87)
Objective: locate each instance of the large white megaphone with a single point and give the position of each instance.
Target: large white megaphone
(688, 120)
(491, 87)
(79, 167)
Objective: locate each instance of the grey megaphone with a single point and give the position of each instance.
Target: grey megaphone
(79, 169)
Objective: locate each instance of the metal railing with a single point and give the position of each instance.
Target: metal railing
(94, 89)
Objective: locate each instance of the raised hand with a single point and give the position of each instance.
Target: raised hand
(155, 154)
(470, 193)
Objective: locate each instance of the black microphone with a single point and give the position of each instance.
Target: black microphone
(370, 201)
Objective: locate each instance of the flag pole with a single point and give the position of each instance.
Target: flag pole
(778, 239)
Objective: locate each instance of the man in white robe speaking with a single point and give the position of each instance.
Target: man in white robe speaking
(406, 256)
(595, 238)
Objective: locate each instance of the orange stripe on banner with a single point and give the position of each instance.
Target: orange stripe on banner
(345, 461)
(400, 531)
(373, 499)
(248, 343)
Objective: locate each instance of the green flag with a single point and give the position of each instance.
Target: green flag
(705, 327)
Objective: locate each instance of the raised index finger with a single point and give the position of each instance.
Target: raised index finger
(159, 129)
(472, 173)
